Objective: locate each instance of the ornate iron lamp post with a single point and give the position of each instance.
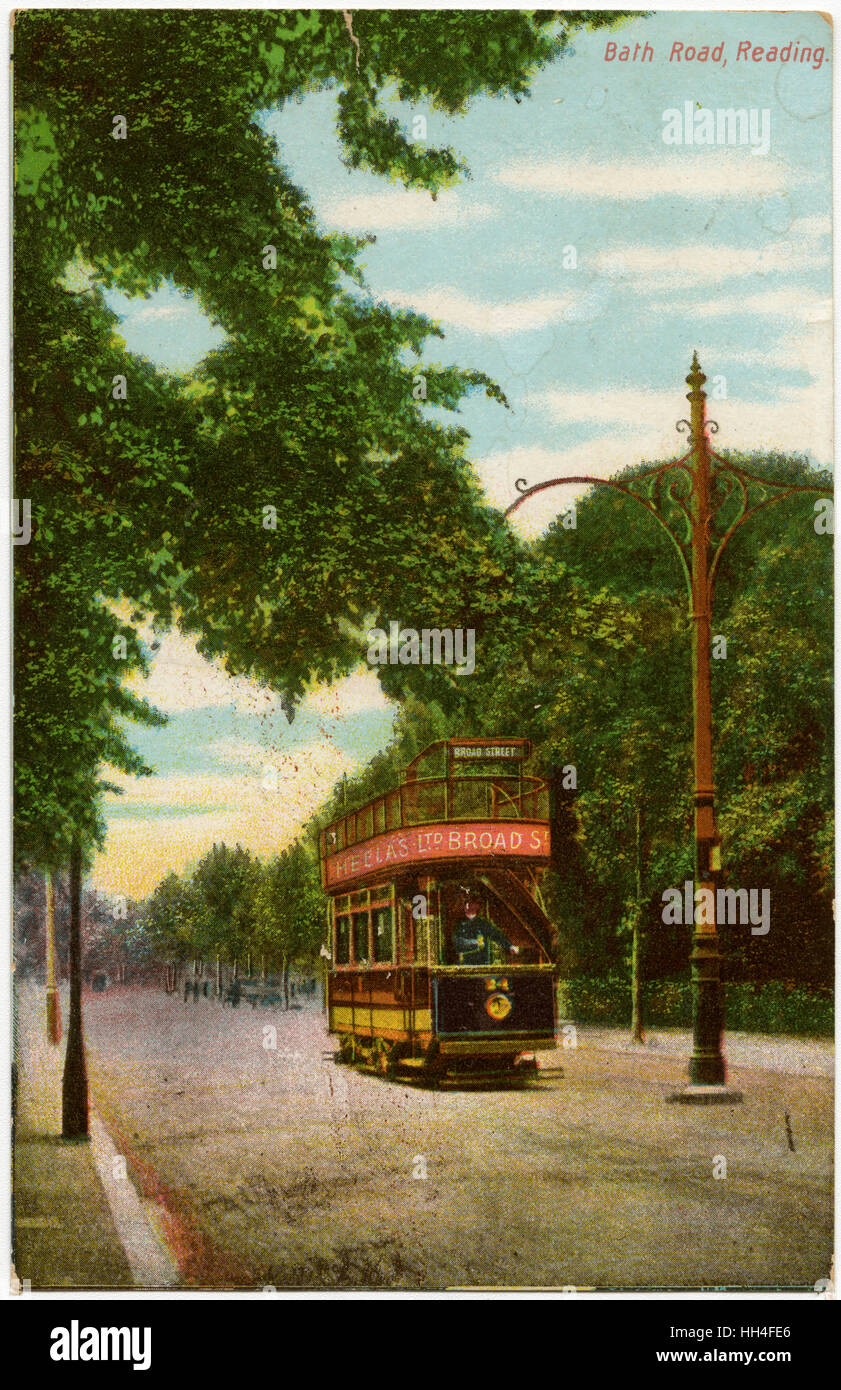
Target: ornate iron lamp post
(689, 499)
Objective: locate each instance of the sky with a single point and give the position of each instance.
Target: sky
(676, 248)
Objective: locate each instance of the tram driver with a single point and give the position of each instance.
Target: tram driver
(473, 937)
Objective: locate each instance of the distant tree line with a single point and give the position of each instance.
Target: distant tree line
(252, 914)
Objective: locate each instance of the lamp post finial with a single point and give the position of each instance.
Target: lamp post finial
(696, 377)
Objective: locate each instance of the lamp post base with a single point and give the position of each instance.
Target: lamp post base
(694, 1094)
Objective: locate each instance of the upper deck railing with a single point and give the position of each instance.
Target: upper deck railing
(455, 796)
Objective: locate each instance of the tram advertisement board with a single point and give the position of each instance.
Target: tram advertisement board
(523, 840)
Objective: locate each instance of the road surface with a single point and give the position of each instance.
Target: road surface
(273, 1166)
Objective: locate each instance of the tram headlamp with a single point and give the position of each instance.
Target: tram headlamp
(498, 1006)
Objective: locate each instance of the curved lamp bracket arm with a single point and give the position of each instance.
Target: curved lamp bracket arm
(526, 491)
(746, 511)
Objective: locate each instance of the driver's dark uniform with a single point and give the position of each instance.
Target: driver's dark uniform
(472, 938)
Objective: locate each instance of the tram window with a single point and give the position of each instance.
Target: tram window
(361, 947)
(406, 942)
(383, 934)
(421, 939)
(343, 940)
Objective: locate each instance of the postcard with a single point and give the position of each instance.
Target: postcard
(423, 540)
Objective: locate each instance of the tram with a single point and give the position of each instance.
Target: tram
(440, 951)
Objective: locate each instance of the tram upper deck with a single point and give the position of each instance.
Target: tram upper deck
(461, 799)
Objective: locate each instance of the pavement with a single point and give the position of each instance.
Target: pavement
(784, 1055)
(78, 1220)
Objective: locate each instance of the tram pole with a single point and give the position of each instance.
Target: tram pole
(706, 1067)
(699, 552)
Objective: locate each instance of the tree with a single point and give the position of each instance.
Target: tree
(290, 909)
(169, 919)
(139, 160)
(224, 885)
(594, 667)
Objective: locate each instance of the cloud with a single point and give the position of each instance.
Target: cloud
(792, 305)
(449, 305)
(354, 694)
(783, 304)
(152, 312)
(622, 406)
(162, 824)
(714, 175)
(639, 425)
(708, 263)
(401, 209)
(181, 679)
(240, 753)
(600, 458)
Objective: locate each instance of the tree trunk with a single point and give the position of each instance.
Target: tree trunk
(74, 1095)
(637, 1033)
(285, 982)
(218, 976)
(53, 1004)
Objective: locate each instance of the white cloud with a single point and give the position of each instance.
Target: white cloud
(811, 228)
(790, 304)
(181, 679)
(641, 425)
(622, 406)
(240, 752)
(451, 306)
(795, 306)
(402, 209)
(699, 263)
(151, 312)
(354, 694)
(714, 175)
(600, 458)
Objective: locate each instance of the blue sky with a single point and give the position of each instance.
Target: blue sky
(677, 248)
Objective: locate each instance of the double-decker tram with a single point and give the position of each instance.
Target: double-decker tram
(441, 955)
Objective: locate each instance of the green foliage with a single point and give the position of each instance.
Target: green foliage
(308, 407)
(290, 912)
(169, 919)
(235, 905)
(775, 1006)
(589, 655)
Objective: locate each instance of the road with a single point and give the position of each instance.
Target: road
(273, 1166)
